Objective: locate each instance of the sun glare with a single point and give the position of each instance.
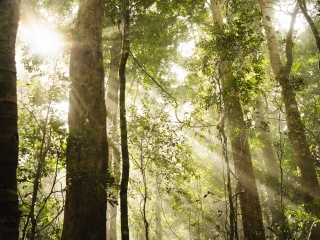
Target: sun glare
(43, 39)
(283, 19)
(47, 41)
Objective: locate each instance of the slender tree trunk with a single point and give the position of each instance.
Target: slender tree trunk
(9, 212)
(232, 213)
(304, 10)
(247, 188)
(145, 196)
(112, 114)
(158, 208)
(123, 121)
(87, 152)
(310, 189)
(44, 147)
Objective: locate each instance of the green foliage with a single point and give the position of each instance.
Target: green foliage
(180, 147)
(42, 135)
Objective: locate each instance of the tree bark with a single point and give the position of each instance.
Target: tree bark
(309, 185)
(247, 187)
(123, 121)
(87, 152)
(114, 154)
(9, 212)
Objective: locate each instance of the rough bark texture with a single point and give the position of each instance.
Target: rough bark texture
(114, 154)
(123, 122)
(87, 152)
(247, 188)
(9, 212)
(308, 178)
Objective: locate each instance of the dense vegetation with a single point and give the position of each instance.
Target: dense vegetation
(160, 119)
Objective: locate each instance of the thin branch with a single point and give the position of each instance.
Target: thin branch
(152, 78)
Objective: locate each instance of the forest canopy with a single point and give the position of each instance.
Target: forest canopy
(159, 119)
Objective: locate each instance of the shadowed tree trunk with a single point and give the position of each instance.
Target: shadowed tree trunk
(247, 187)
(87, 153)
(9, 212)
(125, 235)
(308, 178)
(114, 154)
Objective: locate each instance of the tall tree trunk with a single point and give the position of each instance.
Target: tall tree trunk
(123, 121)
(247, 187)
(9, 212)
(249, 198)
(112, 114)
(310, 189)
(87, 152)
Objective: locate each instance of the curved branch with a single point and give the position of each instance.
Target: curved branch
(304, 10)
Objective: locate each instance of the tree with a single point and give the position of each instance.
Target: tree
(125, 51)
(310, 189)
(9, 212)
(87, 153)
(112, 119)
(233, 112)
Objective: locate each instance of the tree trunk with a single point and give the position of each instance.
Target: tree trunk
(9, 212)
(232, 211)
(158, 208)
(310, 189)
(247, 188)
(87, 152)
(114, 154)
(123, 122)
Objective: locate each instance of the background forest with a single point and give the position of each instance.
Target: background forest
(160, 119)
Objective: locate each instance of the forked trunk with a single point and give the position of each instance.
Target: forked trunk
(247, 187)
(310, 189)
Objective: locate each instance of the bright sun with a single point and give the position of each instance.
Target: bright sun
(283, 17)
(43, 39)
(47, 41)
